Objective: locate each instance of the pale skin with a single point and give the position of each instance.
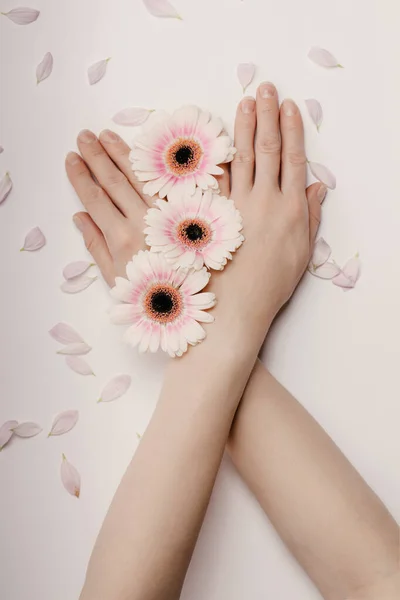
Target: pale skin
(330, 519)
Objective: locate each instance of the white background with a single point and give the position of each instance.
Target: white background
(338, 352)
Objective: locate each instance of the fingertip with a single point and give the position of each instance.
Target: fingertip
(247, 105)
(72, 159)
(266, 90)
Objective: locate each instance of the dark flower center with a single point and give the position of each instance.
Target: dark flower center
(194, 232)
(162, 303)
(184, 155)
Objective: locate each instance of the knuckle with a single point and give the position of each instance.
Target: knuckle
(244, 157)
(269, 143)
(96, 150)
(296, 158)
(95, 194)
(116, 178)
(125, 245)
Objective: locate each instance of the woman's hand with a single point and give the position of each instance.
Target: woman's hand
(268, 184)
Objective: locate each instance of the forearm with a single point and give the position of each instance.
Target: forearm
(148, 536)
(329, 518)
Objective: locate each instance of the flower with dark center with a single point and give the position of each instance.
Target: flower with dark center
(180, 152)
(203, 229)
(162, 304)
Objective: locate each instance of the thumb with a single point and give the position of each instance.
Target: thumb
(316, 194)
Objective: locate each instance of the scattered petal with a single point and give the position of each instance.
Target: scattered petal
(139, 437)
(5, 187)
(27, 430)
(315, 111)
(44, 68)
(64, 422)
(245, 73)
(97, 71)
(22, 16)
(323, 174)
(349, 274)
(328, 270)
(77, 268)
(75, 349)
(79, 365)
(70, 478)
(132, 117)
(115, 388)
(34, 240)
(321, 254)
(77, 284)
(323, 58)
(161, 8)
(64, 334)
(6, 432)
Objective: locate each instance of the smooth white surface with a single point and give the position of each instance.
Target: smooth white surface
(338, 352)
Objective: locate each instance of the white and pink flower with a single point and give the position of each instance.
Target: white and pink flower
(193, 231)
(162, 305)
(178, 152)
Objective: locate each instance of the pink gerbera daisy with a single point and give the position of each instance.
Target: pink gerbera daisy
(176, 153)
(162, 305)
(193, 231)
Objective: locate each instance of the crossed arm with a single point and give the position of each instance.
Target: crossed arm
(329, 518)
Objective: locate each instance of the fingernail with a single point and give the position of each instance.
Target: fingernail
(78, 222)
(267, 90)
(321, 194)
(248, 105)
(109, 136)
(86, 136)
(289, 108)
(72, 158)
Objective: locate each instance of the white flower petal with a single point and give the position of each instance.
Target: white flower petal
(77, 268)
(22, 16)
(27, 430)
(115, 388)
(123, 314)
(97, 71)
(76, 349)
(315, 111)
(6, 185)
(64, 334)
(122, 290)
(79, 365)
(245, 73)
(77, 284)
(70, 478)
(6, 432)
(323, 58)
(195, 281)
(161, 8)
(132, 117)
(323, 174)
(44, 68)
(34, 240)
(328, 270)
(64, 422)
(321, 254)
